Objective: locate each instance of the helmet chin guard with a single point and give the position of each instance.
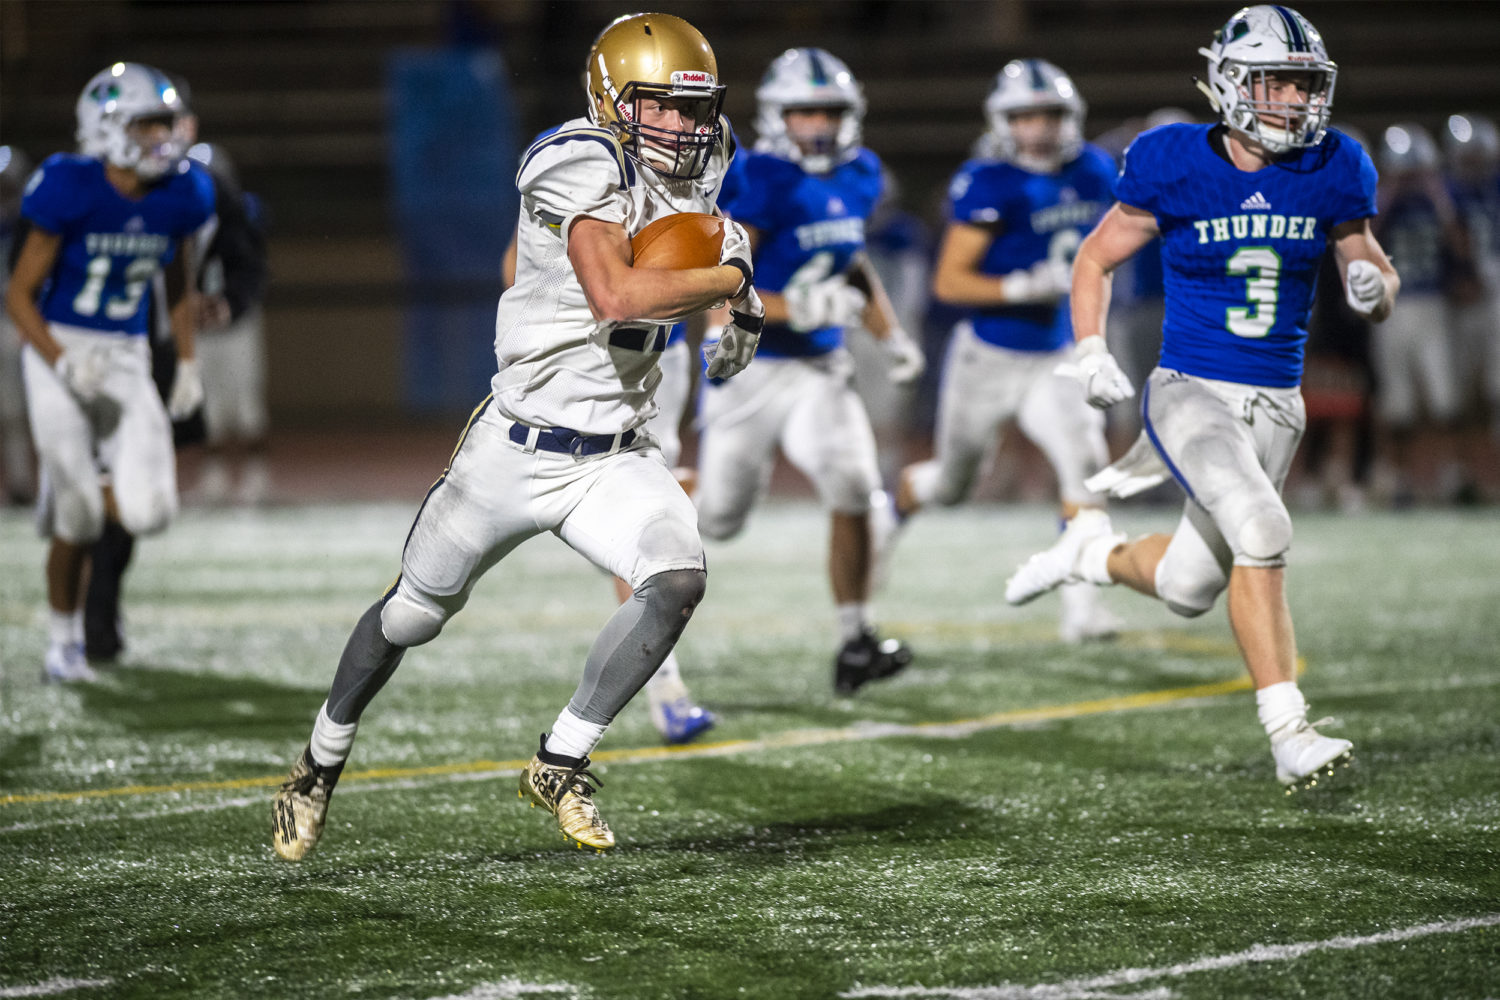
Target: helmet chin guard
(1255, 44)
(662, 57)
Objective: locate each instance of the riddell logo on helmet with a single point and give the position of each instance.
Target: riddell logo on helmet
(692, 77)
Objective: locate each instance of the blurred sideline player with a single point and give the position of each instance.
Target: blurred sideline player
(557, 446)
(1015, 220)
(103, 224)
(232, 342)
(804, 195)
(1245, 209)
(17, 464)
(1417, 398)
(674, 713)
(1471, 153)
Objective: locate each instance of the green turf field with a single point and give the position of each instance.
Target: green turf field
(1011, 818)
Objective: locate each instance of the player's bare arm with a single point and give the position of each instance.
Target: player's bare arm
(183, 298)
(38, 255)
(956, 278)
(1362, 261)
(1118, 237)
(600, 254)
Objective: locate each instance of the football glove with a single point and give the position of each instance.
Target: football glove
(1043, 283)
(830, 302)
(187, 390)
(732, 351)
(735, 252)
(83, 372)
(905, 355)
(1364, 287)
(1103, 382)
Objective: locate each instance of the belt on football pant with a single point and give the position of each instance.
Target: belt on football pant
(566, 441)
(637, 338)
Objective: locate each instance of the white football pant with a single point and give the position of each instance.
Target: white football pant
(233, 363)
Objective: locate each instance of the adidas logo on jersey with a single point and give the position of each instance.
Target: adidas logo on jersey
(1256, 203)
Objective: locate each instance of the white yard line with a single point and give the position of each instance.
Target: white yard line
(513, 989)
(52, 987)
(1095, 988)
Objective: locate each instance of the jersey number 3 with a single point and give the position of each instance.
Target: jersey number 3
(1262, 269)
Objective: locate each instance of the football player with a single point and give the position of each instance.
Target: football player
(1416, 395)
(17, 464)
(1245, 209)
(1471, 151)
(804, 195)
(103, 224)
(557, 446)
(1015, 220)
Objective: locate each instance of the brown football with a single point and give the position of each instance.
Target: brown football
(676, 242)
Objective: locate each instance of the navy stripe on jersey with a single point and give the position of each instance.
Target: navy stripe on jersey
(599, 135)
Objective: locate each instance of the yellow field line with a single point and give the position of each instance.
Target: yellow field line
(790, 738)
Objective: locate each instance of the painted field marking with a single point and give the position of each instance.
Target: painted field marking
(52, 987)
(512, 989)
(791, 738)
(1091, 989)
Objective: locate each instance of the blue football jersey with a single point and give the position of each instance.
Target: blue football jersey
(1037, 217)
(1478, 206)
(1240, 250)
(1411, 231)
(112, 246)
(800, 217)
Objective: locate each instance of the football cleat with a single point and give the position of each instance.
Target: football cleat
(678, 720)
(1305, 756)
(1052, 567)
(301, 807)
(866, 658)
(561, 786)
(65, 664)
(1084, 617)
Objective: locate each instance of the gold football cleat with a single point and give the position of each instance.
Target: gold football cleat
(564, 791)
(301, 807)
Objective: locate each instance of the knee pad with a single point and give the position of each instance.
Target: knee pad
(1189, 583)
(1264, 538)
(411, 619)
(676, 591)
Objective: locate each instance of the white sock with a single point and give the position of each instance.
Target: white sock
(65, 628)
(572, 736)
(331, 741)
(1093, 559)
(853, 619)
(666, 684)
(1279, 706)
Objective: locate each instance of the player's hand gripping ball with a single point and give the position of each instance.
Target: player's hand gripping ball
(678, 242)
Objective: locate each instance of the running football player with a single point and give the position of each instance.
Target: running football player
(103, 223)
(1015, 220)
(1245, 209)
(557, 446)
(804, 195)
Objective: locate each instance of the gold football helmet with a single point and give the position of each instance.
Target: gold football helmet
(662, 58)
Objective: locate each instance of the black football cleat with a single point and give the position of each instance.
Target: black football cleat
(866, 658)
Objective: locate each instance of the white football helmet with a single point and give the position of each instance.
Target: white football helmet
(805, 79)
(1407, 147)
(116, 99)
(1031, 85)
(1471, 141)
(1262, 41)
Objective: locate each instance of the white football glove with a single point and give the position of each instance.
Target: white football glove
(830, 302)
(83, 372)
(907, 362)
(187, 390)
(735, 251)
(1043, 283)
(1103, 381)
(1364, 286)
(732, 352)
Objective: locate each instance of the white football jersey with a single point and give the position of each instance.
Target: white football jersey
(556, 365)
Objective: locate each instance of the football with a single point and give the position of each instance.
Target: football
(676, 242)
